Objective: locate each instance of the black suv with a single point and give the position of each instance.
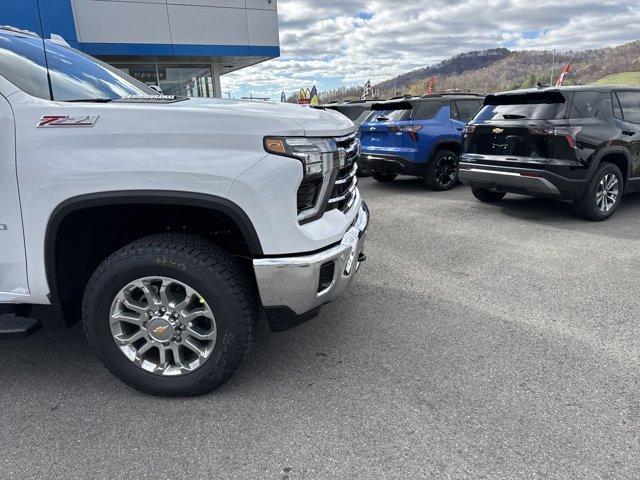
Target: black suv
(355, 110)
(573, 143)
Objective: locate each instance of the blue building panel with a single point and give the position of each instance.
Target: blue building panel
(45, 17)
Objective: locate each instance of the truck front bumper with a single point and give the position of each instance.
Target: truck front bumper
(292, 289)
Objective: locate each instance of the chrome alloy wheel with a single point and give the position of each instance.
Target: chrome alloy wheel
(607, 193)
(446, 170)
(163, 326)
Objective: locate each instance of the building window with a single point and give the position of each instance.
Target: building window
(190, 80)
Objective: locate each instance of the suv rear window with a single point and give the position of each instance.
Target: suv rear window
(590, 104)
(390, 112)
(466, 109)
(630, 103)
(426, 110)
(529, 106)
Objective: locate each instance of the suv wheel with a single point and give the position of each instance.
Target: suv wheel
(442, 172)
(603, 193)
(487, 196)
(170, 314)
(384, 177)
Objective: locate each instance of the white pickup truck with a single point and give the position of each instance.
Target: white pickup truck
(167, 225)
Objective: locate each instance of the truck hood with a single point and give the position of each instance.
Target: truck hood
(305, 121)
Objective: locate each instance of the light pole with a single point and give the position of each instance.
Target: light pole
(553, 64)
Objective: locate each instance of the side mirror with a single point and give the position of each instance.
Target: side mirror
(156, 88)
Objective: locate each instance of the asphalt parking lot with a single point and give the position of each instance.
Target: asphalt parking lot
(478, 342)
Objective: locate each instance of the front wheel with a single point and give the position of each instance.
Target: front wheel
(487, 196)
(603, 194)
(170, 314)
(442, 172)
(384, 177)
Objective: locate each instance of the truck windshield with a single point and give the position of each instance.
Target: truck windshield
(74, 76)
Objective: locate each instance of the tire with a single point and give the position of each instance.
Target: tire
(442, 171)
(384, 177)
(224, 292)
(597, 207)
(487, 196)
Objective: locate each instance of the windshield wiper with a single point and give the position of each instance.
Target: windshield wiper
(92, 100)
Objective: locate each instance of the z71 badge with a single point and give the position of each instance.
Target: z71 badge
(67, 121)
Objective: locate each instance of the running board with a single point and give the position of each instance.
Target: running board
(12, 327)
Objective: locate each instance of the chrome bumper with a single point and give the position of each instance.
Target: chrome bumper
(293, 282)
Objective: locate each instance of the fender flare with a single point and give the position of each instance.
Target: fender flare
(140, 197)
(608, 150)
(444, 141)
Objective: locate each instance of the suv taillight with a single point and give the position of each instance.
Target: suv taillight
(569, 133)
(566, 132)
(412, 130)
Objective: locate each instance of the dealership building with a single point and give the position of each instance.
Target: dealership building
(181, 45)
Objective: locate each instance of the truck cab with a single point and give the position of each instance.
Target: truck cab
(167, 225)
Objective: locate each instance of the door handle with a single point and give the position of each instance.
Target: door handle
(629, 133)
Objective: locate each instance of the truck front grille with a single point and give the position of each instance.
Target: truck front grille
(344, 190)
(337, 191)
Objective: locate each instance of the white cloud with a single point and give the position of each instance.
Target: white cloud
(351, 41)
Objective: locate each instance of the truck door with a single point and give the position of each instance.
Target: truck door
(13, 266)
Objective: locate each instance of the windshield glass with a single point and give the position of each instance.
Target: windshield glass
(74, 75)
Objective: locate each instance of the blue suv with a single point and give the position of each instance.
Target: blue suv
(419, 136)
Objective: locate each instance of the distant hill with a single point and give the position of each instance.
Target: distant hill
(501, 69)
(625, 78)
(458, 65)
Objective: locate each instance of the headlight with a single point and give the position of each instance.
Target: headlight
(319, 156)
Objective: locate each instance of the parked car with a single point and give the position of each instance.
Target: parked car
(355, 110)
(166, 224)
(574, 143)
(417, 136)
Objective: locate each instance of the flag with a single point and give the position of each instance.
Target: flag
(432, 85)
(563, 75)
(314, 96)
(366, 91)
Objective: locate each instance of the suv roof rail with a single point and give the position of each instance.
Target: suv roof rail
(406, 95)
(452, 94)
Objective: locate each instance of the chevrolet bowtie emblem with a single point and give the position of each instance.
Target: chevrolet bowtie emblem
(497, 130)
(160, 330)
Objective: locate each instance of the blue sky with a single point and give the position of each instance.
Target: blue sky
(331, 43)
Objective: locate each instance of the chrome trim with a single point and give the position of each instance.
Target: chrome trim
(348, 177)
(293, 281)
(481, 170)
(353, 186)
(345, 138)
(501, 177)
(475, 158)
